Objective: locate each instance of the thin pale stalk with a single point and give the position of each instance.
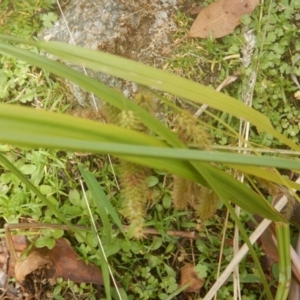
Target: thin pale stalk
(222, 248)
(244, 249)
(211, 293)
(105, 267)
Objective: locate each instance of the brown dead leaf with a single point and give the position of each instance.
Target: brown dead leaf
(20, 244)
(32, 262)
(189, 276)
(61, 261)
(220, 18)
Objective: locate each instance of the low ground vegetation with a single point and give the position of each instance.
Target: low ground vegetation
(149, 268)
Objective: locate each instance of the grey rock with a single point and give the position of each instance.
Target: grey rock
(136, 29)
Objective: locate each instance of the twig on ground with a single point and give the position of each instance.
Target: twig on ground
(178, 233)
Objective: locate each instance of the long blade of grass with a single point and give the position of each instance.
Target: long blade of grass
(32, 128)
(97, 196)
(105, 267)
(152, 77)
(152, 154)
(266, 174)
(283, 246)
(103, 205)
(26, 128)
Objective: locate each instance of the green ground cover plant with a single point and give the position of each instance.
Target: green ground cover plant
(21, 82)
(50, 191)
(277, 46)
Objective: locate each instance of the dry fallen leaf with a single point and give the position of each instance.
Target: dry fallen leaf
(221, 17)
(189, 276)
(32, 262)
(20, 244)
(61, 261)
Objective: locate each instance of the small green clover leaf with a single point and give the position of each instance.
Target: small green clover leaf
(49, 19)
(201, 270)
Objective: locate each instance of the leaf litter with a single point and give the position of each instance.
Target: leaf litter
(59, 262)
(221, 18)
(218, 19)
(189, 276)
